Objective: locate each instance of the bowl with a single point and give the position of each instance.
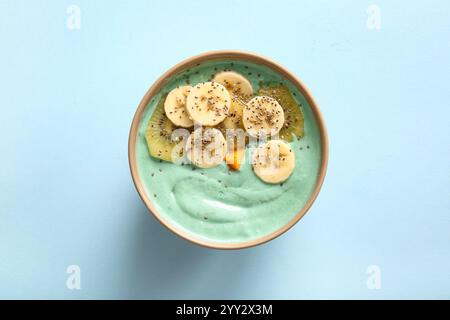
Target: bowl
(182, 71)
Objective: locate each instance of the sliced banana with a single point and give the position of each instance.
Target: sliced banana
(232, 127)
(263, 117)
(206, 148)
(175, 107)
(236, 83)
(234, 119)
(208, 103)
(274, 161)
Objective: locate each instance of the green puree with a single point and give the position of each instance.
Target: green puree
(222, 205)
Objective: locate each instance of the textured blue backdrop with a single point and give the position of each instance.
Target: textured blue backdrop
(68, 97)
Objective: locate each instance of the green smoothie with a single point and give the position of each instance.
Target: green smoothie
(218, 204)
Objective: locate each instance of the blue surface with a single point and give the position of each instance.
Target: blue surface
(68, 97)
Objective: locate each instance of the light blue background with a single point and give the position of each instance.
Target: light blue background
(68, 98)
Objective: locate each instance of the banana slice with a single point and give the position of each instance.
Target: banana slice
(274, 161)
(234, 119)
(236, 83)
(208, 103)
(206, 148)
(262, 117)
(175, 107)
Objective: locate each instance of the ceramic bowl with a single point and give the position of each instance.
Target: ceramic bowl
(211, 57)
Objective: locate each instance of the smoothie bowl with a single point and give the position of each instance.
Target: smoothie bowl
(228, 149)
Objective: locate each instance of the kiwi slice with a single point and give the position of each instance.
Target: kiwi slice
(293, 116)
(158, 133)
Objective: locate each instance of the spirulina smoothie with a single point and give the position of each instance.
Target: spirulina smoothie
(222, 205)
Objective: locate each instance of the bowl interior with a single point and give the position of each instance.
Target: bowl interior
(215, 207)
